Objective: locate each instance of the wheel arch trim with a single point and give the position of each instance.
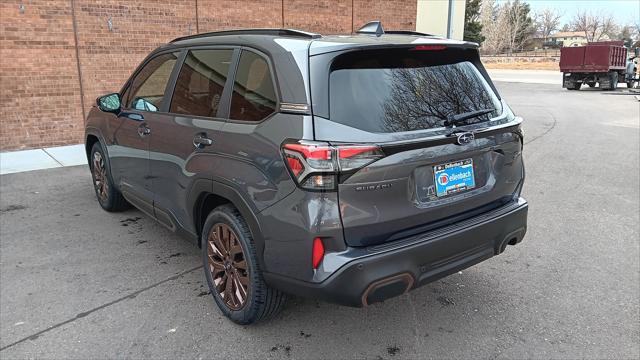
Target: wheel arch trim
(203, 187)
(92, 131)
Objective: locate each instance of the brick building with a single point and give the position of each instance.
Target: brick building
(57, 56)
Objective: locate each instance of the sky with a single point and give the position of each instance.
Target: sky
(624, 11)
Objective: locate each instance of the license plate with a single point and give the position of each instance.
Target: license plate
(454, 177)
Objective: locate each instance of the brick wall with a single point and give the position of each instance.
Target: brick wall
(57, 55)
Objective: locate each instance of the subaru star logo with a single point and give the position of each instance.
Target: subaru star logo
(465, 138)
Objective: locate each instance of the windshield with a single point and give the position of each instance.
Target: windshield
(407, 91)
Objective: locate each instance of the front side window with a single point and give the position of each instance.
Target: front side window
(200, 83)
(146, 92)
(254, 97)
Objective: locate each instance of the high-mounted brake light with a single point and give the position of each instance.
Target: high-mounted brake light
(315, 165)
(429, 47)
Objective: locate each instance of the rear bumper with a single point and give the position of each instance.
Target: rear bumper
(391, 271)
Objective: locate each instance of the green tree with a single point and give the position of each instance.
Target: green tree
(472, 25)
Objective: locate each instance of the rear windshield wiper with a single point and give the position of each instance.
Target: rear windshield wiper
(457, 118)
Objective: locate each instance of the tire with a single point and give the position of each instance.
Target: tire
(222, 263)
(613, 78)
(109, 197)
(629, 84)
(576, 86)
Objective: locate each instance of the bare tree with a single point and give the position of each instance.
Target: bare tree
(492, 29)
(609, 27)
(596, 27)
(506, 26)
(547, 21)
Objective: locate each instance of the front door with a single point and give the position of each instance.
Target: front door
(129, 154)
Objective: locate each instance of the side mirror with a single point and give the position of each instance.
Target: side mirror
(109, 103)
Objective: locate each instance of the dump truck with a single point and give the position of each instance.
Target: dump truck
(602, 63)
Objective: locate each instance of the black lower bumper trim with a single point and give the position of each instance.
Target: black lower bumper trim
(424, 261)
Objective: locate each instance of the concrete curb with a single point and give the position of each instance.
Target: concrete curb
(45, 158)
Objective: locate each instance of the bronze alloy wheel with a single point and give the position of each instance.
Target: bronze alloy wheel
(100, 177)
(228, 266)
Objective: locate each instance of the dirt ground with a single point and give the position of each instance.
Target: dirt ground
(522, 65)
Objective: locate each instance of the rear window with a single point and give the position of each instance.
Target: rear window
(406, 90)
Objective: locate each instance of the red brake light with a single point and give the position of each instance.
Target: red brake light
(429, 47)
(317, 252)
(347, 152)
(319, 152)
(295, 165)
(356, 157)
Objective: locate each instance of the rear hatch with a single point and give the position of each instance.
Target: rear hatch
(442, 145)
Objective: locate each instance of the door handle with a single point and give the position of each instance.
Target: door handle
(143, 130)
(201, 140)
(133, 116)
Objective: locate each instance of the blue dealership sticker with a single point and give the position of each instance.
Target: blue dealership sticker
(454, 177)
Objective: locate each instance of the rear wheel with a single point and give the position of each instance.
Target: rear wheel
(630, 84)
(574, 86)
(613, 79)
(232, 270)
(108, 196)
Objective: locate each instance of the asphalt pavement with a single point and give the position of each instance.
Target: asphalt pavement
(78, 282)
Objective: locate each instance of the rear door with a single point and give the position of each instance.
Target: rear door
(437, 167)
(187, 139)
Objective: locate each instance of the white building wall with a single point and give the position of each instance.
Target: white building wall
(433, 15)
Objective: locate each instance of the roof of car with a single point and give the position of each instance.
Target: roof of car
(318, 43)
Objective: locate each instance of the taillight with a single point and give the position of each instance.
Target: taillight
(315, 165)
(355, 157)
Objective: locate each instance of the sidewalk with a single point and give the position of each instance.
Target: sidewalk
(46, 158)
(526, 76)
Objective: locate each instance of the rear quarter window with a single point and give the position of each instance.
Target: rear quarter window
(254, 97)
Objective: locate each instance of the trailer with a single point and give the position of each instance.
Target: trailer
(602, 63)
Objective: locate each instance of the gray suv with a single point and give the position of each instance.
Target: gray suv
(346, 168)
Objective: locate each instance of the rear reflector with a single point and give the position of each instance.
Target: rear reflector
(317, 253)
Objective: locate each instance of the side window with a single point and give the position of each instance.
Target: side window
(201, 82)
(254, 97)
(147, 88)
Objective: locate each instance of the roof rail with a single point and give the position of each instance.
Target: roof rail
(271, 32)
(406, 32)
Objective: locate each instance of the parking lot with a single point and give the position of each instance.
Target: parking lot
(78, 282)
